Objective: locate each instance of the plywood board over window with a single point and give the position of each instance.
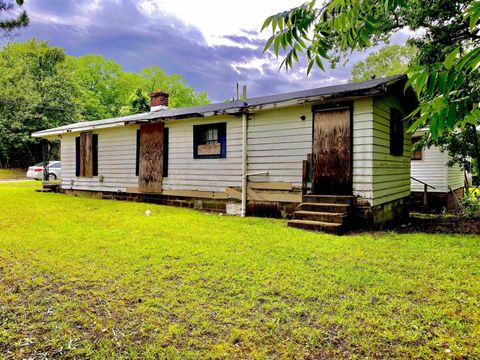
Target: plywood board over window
(151, 157)
(87, 155)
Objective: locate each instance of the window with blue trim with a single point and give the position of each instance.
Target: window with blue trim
(210, 141)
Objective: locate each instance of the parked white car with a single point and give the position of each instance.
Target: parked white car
(54, 171)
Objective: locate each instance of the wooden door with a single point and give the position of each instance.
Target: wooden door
(332, 152)
(151, 158)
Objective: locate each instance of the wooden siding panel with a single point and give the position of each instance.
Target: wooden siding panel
(116, 161)
(187, 173)
(362, 136)
(432, 169)
(386, 187)
(456, 177)
(278, 141)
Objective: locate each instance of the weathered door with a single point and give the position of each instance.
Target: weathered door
(332, 152)
(151, 158)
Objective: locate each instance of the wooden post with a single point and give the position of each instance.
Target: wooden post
(304, 177)
(425, 195)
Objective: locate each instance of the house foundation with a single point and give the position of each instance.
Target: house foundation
(227, 206)
(377, 217)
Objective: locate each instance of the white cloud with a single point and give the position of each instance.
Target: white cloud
(217, 18)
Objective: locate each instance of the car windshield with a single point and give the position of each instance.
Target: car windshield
(38, 165)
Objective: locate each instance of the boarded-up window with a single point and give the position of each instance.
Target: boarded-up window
(86, 155)
(210, 141)
(416, 152)
(396, 133)
(165, 153)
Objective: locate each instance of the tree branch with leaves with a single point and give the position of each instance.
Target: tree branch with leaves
(10, 24)
(445, 74)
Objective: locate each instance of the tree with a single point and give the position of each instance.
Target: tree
(103, 91)
(8, 25)
(462, 147)
(460, 144)
(36, 92)
(446, 72)
(106, 87)
(138, 102)
(180, 94)
(40, 88)
(389, 60)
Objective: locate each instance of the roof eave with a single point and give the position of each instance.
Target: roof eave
(54, 133)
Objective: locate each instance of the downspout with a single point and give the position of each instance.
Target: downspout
(243, 210)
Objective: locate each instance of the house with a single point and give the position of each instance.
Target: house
(321, 154)
(435, 185)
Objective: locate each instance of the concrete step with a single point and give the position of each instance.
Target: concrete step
(324, 207)
(315, 226)
(330, 217)
(330, 199)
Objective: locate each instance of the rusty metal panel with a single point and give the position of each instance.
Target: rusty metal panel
(151, 157)
(332, 152)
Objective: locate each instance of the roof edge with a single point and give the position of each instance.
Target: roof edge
(256, 104)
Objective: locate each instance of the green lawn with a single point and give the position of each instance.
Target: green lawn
(12, 174)
(99, 279)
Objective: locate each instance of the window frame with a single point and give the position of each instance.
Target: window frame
(199, 132)
(417, 154)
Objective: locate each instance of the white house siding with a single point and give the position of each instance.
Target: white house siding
(116, 161)
(378, 177)
(278, 141)
(433, 170)
(362, 140)
(456, 177)
(187, 173)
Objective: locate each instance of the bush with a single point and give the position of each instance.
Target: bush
(471, 203)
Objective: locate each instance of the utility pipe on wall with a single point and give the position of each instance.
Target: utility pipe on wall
(243, 209)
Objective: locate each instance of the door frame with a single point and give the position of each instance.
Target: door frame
(317, 108)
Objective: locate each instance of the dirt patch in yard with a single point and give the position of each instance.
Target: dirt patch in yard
(441, 223)
(431, 223)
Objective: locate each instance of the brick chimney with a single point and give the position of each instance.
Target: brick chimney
(158, 100)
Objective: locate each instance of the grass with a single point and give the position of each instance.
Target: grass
(99, 279)
(12, 174)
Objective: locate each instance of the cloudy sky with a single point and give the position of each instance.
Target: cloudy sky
(212, 43)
